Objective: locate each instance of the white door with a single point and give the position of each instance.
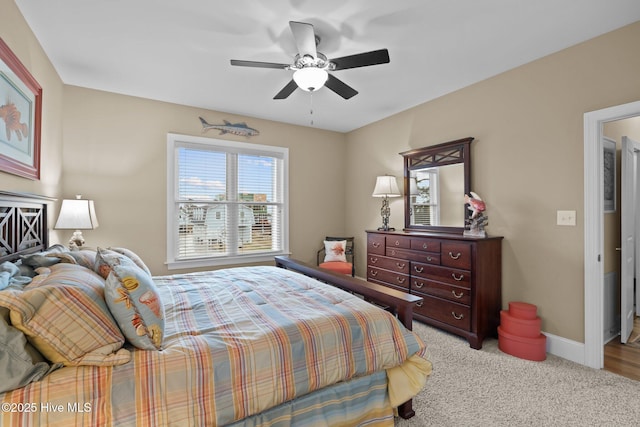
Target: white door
(629, 204)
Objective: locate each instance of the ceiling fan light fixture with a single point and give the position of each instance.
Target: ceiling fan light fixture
(310, 78)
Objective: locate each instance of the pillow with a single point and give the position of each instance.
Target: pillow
(64, 315)
(20, 363)
(133, 257)
(45, 258)
(105, 258)
(334, 250)
(134, 301)
(83, 257)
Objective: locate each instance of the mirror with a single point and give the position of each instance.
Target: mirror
(436, 178)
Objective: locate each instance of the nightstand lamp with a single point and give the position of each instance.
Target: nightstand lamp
(386, 186)
(77, 214)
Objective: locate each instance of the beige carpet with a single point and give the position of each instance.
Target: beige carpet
(490, 388)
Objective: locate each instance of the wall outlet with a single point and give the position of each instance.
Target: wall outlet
(566, 218)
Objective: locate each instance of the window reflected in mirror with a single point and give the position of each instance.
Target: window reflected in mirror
(437, 196)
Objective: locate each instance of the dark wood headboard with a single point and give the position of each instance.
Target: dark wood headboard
(23, 224)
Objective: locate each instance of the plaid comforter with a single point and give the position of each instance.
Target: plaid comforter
(237, 342)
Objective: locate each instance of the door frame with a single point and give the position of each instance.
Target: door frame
(594, 230)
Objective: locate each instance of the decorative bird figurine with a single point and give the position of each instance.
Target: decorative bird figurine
(476, 205)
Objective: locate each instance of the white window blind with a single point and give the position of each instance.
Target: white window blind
(426, 203)
(227, 201)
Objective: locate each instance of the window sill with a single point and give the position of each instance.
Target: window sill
(223, 260)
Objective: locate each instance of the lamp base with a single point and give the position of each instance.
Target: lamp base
(76, 241)
(386, 229)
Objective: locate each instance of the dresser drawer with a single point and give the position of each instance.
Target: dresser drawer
(375, 244)
(393, 264)
(448, 312)
(399, 242)
(457, 294)
(456, 254)
(452, 276)
(428, 245)
(390, 277)
(425, 257)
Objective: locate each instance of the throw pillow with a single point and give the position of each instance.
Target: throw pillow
(134, 301)
(335, 250)
(133, 257)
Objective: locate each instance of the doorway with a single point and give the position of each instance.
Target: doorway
(593, 217)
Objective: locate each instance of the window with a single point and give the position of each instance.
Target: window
(425, 204)
(226, 202)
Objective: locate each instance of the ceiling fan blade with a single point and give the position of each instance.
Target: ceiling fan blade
(287, 90)
(305, 38)
(340, 87)
(374, 57)
(258, 64)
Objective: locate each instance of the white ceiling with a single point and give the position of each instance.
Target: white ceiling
(179, 51)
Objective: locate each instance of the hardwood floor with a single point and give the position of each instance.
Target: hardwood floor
(622, 359)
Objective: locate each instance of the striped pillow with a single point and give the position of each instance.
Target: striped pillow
(64, 315)
(83, 257)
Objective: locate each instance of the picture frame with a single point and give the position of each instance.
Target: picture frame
(609, 174)
(20, 117)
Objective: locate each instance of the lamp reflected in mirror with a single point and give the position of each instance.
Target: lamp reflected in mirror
(386, 186)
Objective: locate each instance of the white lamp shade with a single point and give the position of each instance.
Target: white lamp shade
(77, 215)
(310, 78)
(386, 186)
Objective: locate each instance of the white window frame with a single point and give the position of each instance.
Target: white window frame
(176, 141)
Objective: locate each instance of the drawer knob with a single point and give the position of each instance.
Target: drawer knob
(429, 259)
(373, 273)
(400, 265)
(424, 246)
(419, 285)
(397, 243)
(457, 295)
(456, 256)
(418, 269)
(373, 260)
(457, 316)
(400, 279)
(419, 303)
(456, 278)
(375, 244)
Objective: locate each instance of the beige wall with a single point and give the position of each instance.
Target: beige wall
(17, 35)
(527, 164)
(115, 153)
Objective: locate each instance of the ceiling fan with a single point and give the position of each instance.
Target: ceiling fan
(311, 68)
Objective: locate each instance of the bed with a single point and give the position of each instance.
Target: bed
(254, 346)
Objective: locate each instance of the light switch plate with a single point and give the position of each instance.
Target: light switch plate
(566, 218)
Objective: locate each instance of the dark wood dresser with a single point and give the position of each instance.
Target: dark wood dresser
(459, 277)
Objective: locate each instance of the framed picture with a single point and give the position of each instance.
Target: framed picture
(20, 117)
(609, 176)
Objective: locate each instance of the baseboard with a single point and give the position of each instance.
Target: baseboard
(565, 348)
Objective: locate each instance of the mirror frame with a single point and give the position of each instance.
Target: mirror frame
(448, 153)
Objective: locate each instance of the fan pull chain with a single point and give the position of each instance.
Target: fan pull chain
(311, 106)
